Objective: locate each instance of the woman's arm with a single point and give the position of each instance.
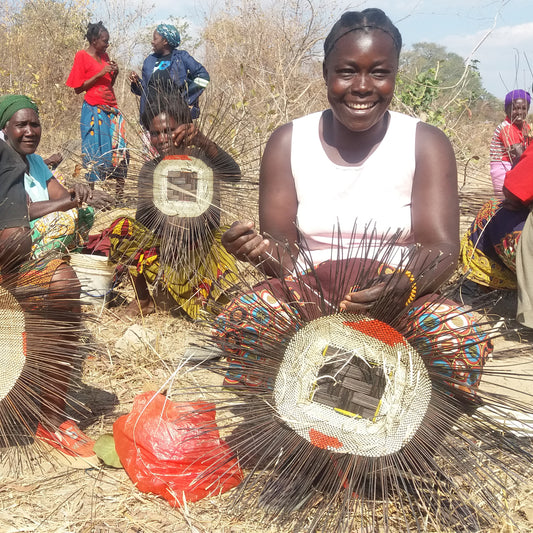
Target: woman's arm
(59, 200)
(62, 199)
(435, 205)
(135, 83)
(197, 77)
(225, 166)
(278, 206)
(87, 84)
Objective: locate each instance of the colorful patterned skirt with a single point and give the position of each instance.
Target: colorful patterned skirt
(254, 323)
(195, 283)
(64, 231)
(103, 142)
(488, 248)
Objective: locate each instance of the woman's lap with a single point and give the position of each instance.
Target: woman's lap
(254, 322)
(194, 285)
(488, 249)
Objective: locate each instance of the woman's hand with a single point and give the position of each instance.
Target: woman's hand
(362, 301)
(100, 199)
(81, 193)
(244, 242)
(134, 78)
(397, 287)
(188, 135)
(515, 152)
(54, 160)
(115, 71)
(109, 68)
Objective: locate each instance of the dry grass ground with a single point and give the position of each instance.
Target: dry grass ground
(52, 499)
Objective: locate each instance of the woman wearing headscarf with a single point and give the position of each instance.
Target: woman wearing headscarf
(510, 138)
(169, 69)
(57, 218)
(48, 292)
(489, 246)
(102, 125)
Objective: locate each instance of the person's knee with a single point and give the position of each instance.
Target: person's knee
(65, 284)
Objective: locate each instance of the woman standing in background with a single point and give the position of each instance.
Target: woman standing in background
(169, 69)
(102, 124)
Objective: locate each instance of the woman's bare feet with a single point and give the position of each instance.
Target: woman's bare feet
(140, 308)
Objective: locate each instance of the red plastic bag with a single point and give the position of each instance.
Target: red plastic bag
(174, 449)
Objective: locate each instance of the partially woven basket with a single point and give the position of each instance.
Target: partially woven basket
(12, 342)
(352, 384)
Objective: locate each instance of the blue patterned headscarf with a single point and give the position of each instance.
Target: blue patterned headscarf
(170, 33)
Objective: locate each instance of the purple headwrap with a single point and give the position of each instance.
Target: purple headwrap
(515, 95)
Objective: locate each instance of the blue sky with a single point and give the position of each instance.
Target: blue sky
(498, 33)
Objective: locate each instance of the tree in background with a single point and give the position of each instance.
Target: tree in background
(437, 86)
(439, 83)
(38, 43)
(264, 59)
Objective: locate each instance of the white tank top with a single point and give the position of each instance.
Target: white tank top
(373, 195)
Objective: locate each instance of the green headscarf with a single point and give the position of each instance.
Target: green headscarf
(11, 103)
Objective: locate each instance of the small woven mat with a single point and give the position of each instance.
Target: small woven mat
(183, 186)
(12, 342)
(352, 384)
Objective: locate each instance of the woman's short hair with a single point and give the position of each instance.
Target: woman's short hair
(366, 20)
(172, 104)
(93, 31)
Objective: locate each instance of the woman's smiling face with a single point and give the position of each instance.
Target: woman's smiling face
(161, 129)
(360, 74)
(23, 131)
(517, 111)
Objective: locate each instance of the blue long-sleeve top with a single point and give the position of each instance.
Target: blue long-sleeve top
(187, 73)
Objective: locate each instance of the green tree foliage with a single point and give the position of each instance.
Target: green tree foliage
(453, 73)
(420, 94)
(437, 84)
(440, 88)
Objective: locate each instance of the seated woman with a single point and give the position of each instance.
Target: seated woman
(357, 162)
(174, 240)
(489, 249)
(57, 218)
(510, 138)
(49, 293)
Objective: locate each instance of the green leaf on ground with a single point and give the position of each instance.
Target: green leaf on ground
(104, 448)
